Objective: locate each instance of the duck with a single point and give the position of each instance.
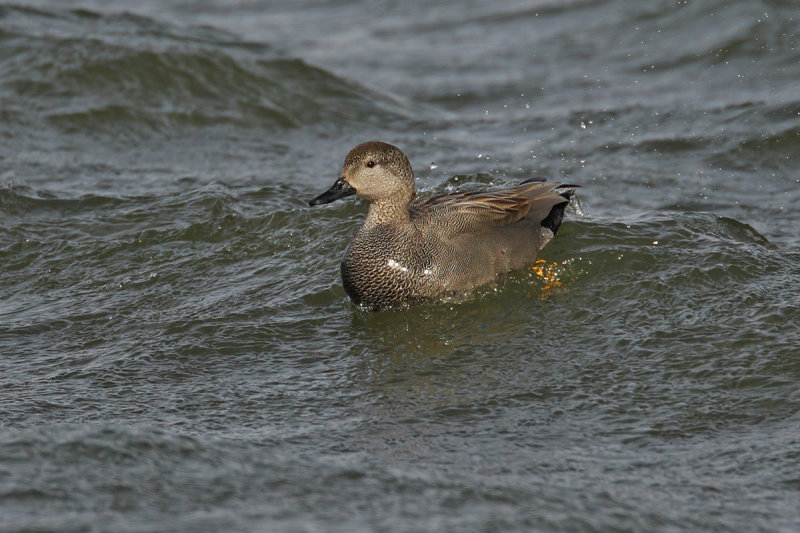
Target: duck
(410, 250)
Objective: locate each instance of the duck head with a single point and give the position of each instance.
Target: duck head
(374, 171)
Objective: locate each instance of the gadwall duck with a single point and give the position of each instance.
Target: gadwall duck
(410, 251)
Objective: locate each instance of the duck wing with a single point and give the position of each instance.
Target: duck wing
(453, 214)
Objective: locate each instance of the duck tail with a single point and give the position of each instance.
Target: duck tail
(553, 220)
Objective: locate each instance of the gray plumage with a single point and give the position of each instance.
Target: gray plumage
(409, 251)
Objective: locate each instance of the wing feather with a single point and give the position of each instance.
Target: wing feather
(459, 213)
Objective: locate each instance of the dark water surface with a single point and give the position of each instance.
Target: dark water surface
(176, 349)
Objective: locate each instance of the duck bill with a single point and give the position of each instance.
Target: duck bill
(340, 189)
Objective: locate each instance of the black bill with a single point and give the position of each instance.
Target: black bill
(340, 189)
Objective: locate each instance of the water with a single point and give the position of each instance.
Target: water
(177, 352)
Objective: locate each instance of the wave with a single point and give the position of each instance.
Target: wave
(131, 74)
(767, 151)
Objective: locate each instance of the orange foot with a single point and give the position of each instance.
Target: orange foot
(548, 272)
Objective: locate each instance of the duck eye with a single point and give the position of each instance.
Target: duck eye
(370, 164)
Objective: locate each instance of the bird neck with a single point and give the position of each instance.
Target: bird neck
(392, 210)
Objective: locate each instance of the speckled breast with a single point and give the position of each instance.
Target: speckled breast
(382, 268)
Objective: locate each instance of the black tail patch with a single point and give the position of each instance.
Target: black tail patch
(553, 220)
